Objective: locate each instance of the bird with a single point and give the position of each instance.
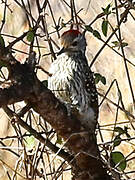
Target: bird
(72, 80)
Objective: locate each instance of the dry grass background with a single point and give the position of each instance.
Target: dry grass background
(108, 63)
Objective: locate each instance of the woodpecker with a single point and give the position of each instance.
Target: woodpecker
(72, 81)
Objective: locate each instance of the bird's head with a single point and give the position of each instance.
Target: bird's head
(72, 41)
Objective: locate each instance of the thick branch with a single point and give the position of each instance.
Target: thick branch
(25, 86)
(78, 140)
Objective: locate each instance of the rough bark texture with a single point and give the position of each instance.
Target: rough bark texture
(86, 164)
(80, 142)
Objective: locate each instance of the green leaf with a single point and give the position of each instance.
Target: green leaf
(106, 10)
(103, 80)
(124, 44)
(89, 28)
(2, 42)
(118, 158)
(45, 83)
(30, 142)
(117, 44)
(105, 27)
(96, 34)
(117, 141)
(99, 77)
(122, 131)
(59, 140)
(30, 36)
(119, 130)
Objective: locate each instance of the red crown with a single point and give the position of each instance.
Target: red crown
(71, 31)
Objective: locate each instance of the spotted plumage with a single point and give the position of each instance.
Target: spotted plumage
(72, 80)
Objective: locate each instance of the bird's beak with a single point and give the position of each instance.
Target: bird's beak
(61, 51)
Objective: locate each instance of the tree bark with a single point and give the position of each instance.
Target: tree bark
(24, 85)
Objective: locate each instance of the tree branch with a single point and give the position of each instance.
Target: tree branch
(25, 85)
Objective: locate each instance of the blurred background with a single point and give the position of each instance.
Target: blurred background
(108, 63)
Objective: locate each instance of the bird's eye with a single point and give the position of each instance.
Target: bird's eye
(74, 43)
